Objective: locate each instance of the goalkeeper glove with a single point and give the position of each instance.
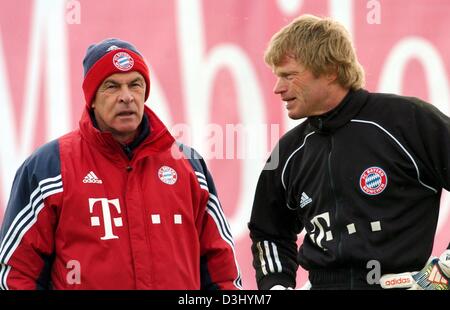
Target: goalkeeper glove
(434, 276)
(279, 287)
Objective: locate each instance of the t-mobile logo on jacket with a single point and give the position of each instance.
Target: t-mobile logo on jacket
(321, 233)
(107, 221)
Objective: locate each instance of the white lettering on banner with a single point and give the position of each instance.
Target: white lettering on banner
(198, 71)
(417, 48)
(343, 11)
(391, 79)
(106, 213)
(157, 101)
(290, 7)
(47, 26)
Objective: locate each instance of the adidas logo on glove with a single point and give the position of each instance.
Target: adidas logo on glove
(397, 282)
(434, 276)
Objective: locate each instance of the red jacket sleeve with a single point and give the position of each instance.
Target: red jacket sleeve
(218, 264)
(219, 267)
(27, 233)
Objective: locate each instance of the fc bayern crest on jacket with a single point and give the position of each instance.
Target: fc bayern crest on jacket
(167, 175)
(123, 61)
(373, 181)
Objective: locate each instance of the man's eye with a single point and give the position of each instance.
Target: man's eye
(287, 76)
(136, 85)
(110, 86)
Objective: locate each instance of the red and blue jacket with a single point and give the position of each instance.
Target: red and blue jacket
(83, 215)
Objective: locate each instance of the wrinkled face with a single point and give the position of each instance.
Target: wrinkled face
(119, 104)
(303, 93)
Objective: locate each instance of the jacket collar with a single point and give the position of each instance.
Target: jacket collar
(340, 115)
(153, 138)
(143, 132)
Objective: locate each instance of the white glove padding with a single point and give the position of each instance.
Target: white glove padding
(306, 286)
(434, 276)
(279, 287)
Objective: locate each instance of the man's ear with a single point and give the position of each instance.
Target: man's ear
(331, 76)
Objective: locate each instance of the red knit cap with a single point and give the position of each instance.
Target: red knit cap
(115, 60)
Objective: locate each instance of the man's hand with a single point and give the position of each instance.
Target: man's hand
(279, 287)
(434, 276)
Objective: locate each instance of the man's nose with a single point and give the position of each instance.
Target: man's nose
(280, 87)
(125, 94)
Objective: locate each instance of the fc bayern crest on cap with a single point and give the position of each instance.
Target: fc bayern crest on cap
(123, 61)
(167, 175)
(373, 181)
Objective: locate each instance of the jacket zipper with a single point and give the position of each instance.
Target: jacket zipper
(333, 189)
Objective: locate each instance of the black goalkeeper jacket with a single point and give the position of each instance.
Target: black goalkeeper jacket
(364, 181)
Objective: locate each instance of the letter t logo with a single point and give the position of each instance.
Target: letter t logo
(95, 220)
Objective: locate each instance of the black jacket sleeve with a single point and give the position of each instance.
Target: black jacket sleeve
(433, 146)
(430, 141)
(273, 230)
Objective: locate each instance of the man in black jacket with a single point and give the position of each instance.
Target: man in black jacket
(362, 175)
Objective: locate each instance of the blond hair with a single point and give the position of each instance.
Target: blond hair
(322, 45)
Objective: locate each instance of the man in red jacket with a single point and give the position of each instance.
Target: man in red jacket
(118, 203)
